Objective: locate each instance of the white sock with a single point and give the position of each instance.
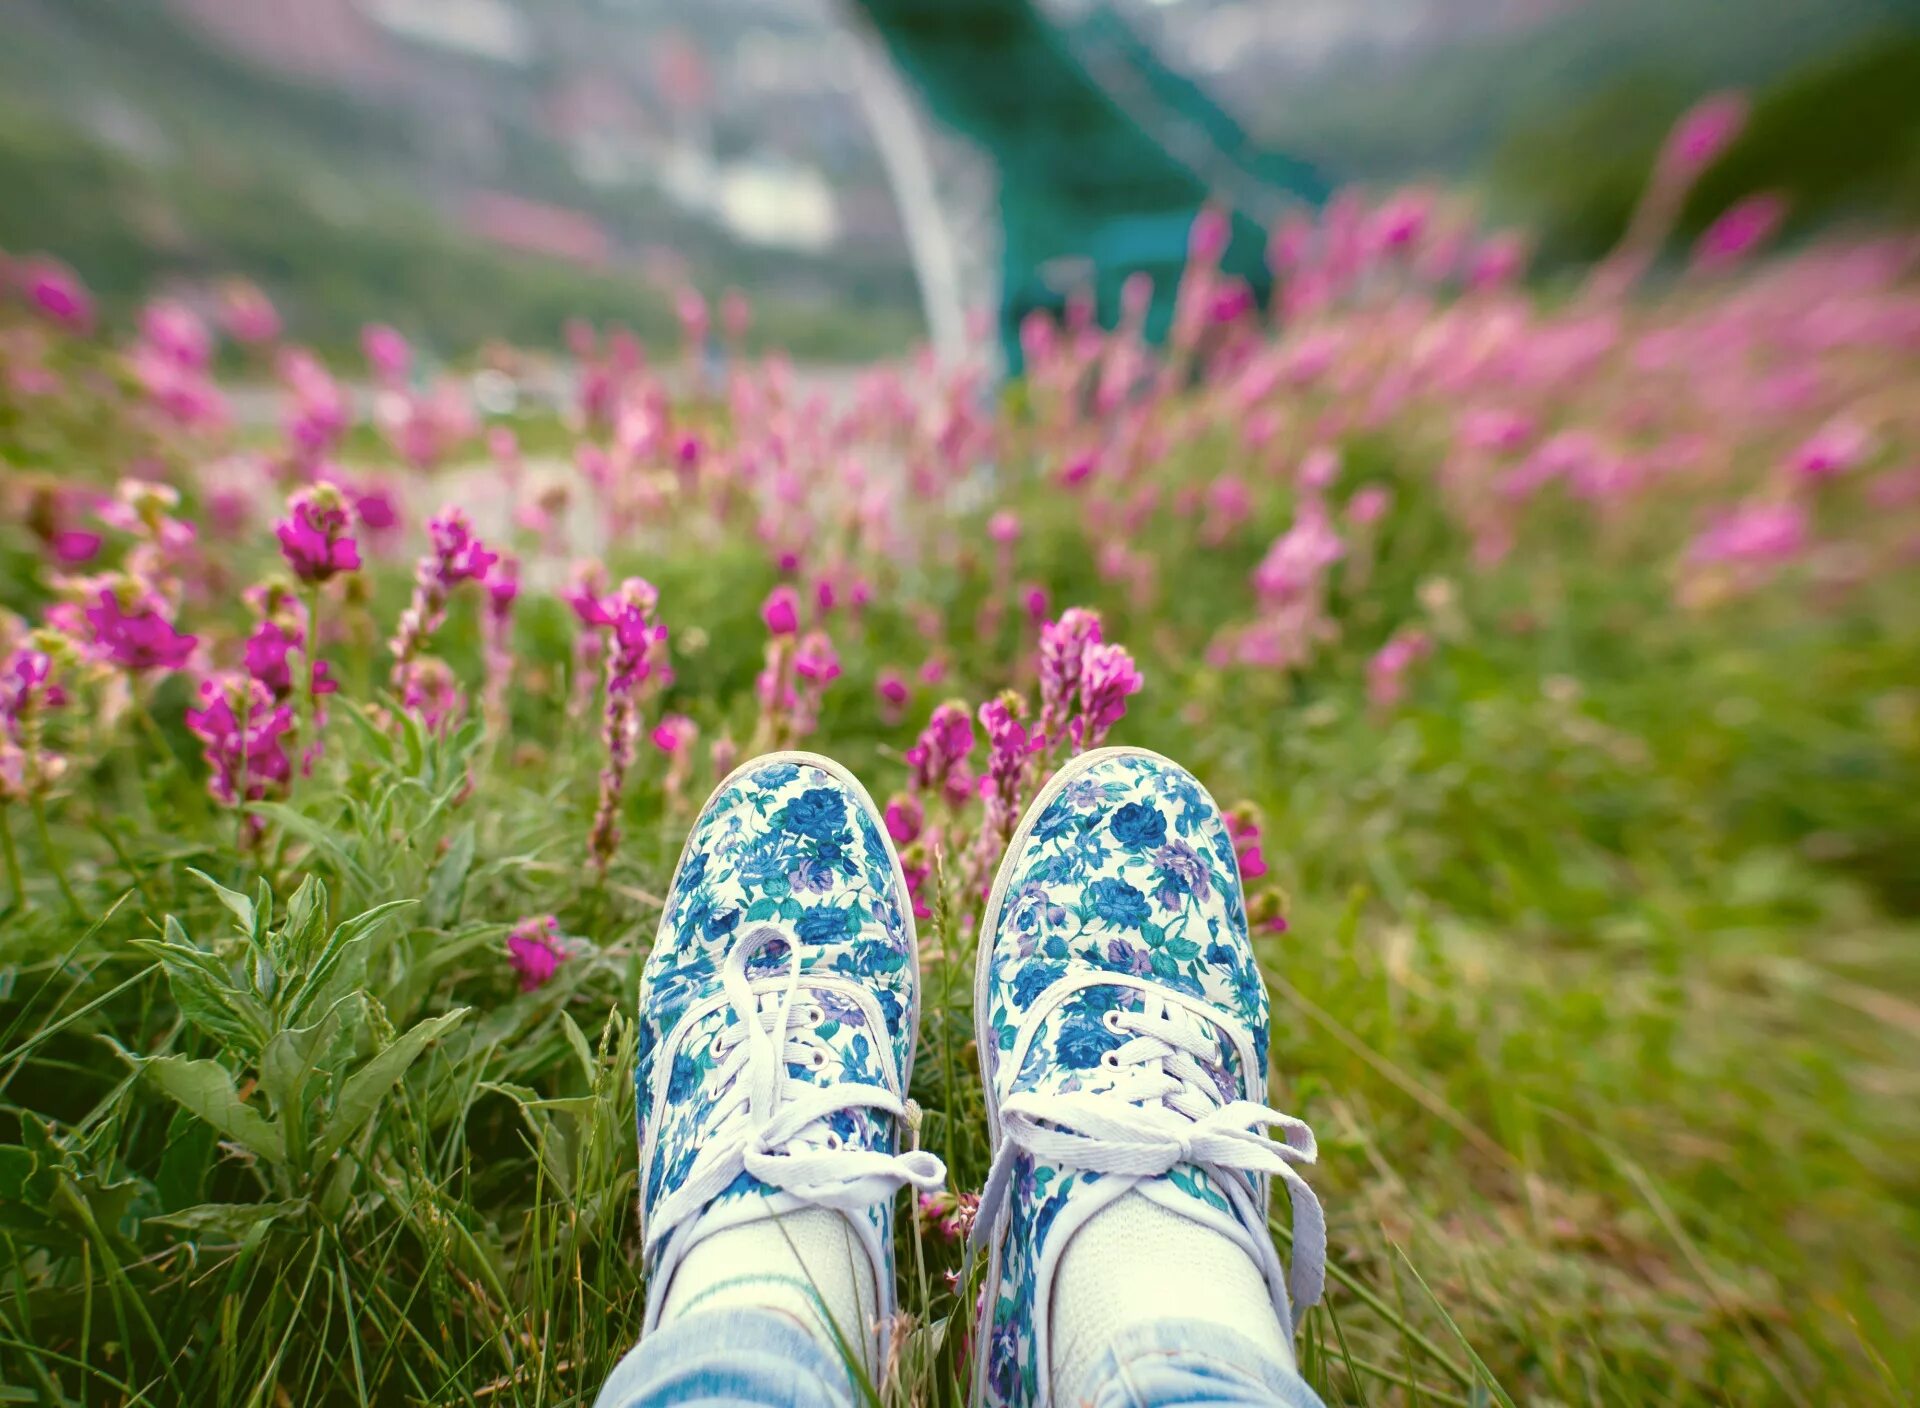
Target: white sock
(1135, 1261)
(808, 1265)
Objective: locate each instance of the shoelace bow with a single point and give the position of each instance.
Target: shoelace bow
(1160, 1108)
(774, 1128)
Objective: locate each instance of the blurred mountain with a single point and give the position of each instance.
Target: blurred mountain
(1387, 89)
(470, 166)
(590, 146)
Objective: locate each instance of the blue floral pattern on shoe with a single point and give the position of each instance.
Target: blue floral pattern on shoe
(794, 843)
(1121, 885)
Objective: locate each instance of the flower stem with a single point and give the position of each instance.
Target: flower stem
(309, 704)
(54, 861)
(14, 877)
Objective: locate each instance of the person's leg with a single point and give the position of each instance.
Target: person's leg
(778, 1011)
(729, 1356)
(1182, 1363)
(1124, 1027)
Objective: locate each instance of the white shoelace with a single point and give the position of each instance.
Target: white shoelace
(774, 1128)
(1159, 1108)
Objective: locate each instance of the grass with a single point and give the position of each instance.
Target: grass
(1599, 990)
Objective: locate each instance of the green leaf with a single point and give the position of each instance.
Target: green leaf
(230, 1220)
(336, 846)
(368, 1086)
(204, 990)
(206, 1088)
(448, 882)
(262, 907)
(332, 973)
(189, 1156)
(578, 1041)
(240, 906)
(292, 1056)
(296, 942)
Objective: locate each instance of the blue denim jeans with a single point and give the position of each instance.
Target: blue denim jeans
(759, 1358)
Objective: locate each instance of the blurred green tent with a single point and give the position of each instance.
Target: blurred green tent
(1103, 153)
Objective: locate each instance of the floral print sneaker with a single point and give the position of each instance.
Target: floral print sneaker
(778, 1012)
(1123, 1031)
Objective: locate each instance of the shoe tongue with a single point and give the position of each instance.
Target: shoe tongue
(1065, 1053)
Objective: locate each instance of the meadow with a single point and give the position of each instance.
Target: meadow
(1554, 650)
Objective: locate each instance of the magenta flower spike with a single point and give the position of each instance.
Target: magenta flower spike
(1739, 231)
(456, 556)
(244, 736)
(1107, 679)
(316, 538)
(1063, 647)
(129, 627)
(938, 758)
(1702, 134)
(634, 640)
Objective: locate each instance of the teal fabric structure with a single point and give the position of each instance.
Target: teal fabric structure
(1104, 154)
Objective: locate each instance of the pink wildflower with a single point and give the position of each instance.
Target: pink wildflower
(781, 610)
(1369, 505)
(243, 734)
(1266, 909)
(938, 757)
(1107, 679)
(583, 594)
(73, 547)
(503, 590)
(535, 950)
(1836, 447)
(1387, 670)
(457, 556)
(247, 314)
(1703, 132)
(1741, 229)
(1009, 746)
(1298, 557)
(129, 626)
(29, 689)
(176, 333)
(634, 639)
(674, 733)
(1063, 646)
(1208, 235)
(388, 354)
(951, 1214)
(281, 634)
(1753, 534)
(317, 413)
(1497, 261)
(56, 291)
(906, 819)
(430, 691)
(315, 538)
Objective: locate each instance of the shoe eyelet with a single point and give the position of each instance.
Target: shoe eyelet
(815, 1014)
(1111, 1019)
(818, 1060)
(833, 1141)
(716, 1045)
(1111, 1060)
